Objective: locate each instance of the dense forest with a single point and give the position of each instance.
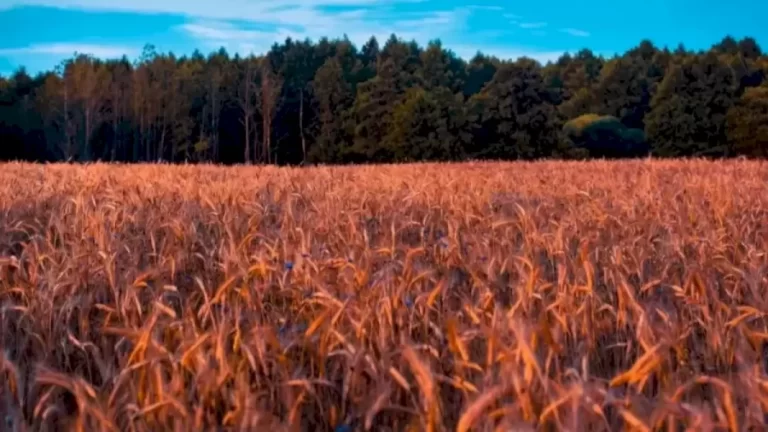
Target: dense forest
(332, 102)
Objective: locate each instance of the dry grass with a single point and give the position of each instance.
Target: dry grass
(546, 296)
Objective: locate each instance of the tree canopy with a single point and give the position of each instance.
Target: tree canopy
(332, 102)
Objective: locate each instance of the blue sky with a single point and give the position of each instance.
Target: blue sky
(40, 33)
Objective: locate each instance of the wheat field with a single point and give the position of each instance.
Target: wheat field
(438, 297)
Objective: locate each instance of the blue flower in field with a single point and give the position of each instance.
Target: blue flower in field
(289, 265)
(408, 302)
(343, 428)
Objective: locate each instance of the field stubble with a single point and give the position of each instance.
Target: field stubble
(484, 296)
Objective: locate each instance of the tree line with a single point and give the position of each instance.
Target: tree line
(332, 102)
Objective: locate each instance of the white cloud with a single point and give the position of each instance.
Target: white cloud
(252, 26)
(275, 11)
(486, 8)
(359, 24)
(68, 49)
(223, 31)
(216, 34)
(575, 32)
(305, 17)
(542, 56)
(533, 25)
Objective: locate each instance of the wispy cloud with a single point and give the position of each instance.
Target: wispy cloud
(67, 49)
(542, 56)
(302, 13)
(575, 32)
(215, 34)
(224, 31)
(252, 26)
(532, 25)
(221, 9)
(316, 17)
(486, 8)
(246, 36)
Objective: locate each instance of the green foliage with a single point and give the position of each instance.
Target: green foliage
(605, 137)
(514, 115)
(480, 71)
(579, 104)
(747, 124)
(571, 76)
(688, 112)
(427, 126)
(624, 91)
(201, 146)
(329, 101)
(334, 97)
(441, 68)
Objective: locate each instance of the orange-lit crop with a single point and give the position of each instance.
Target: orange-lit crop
(483, 296)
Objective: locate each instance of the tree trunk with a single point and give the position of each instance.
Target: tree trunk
(247, 151)
(301, 129)
(265, 128)
(247, 114)
(145, 141)
(87, 135)
(163, 127)
(67, 131)
(214, 123)
(136, 131)
(115, 138)
(161, 148)
(115, 142)
(255, 141)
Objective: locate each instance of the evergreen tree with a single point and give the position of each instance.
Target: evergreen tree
(747, 124)
(687, 115)
(428, 126)
(334, 97)
(515, 114)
